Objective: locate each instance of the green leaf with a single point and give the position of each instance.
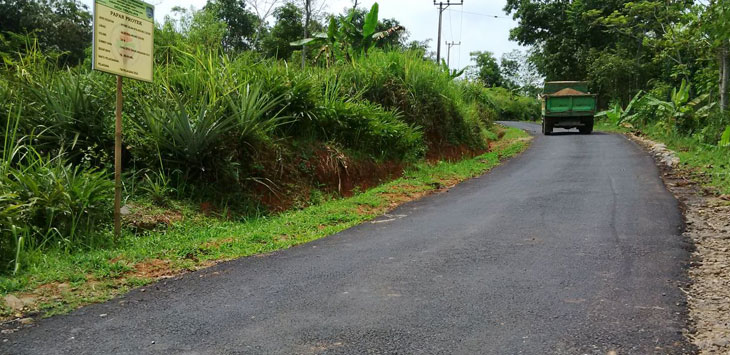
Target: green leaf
(332, 30)
(371, 21)
(305, 41)
(725, 139)
(457, 73)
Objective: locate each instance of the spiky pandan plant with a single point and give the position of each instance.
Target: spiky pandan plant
(344, 41)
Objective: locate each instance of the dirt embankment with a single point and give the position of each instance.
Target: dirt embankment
(330, 170)
(707, 217)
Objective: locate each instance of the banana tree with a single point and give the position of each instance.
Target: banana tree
(344, 41)
(680, 108)
(453, 73)
(618, 114)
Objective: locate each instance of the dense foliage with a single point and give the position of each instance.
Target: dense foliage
(62, 26)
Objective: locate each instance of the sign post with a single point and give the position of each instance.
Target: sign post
(123, 46)
(118, 162)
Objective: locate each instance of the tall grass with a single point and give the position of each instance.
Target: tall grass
(45, 199)
(426, 96)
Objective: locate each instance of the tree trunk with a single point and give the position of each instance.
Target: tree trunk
(307, 15)
(724, 75)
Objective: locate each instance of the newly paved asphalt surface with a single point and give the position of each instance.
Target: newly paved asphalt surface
(573, 247)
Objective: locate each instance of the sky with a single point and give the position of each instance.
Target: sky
(473, 24)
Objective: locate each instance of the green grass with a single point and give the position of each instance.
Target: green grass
(61, 281)
(710, 164)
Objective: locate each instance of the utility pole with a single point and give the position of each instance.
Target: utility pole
(448, 51)
(442, 6)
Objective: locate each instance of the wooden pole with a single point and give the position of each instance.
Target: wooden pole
(118, 163)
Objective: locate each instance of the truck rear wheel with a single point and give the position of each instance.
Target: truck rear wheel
(587, 128)
(547, 127)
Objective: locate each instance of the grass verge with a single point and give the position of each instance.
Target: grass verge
(708, 164)
(59, 282)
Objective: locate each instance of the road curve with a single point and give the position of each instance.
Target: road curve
(573, 247)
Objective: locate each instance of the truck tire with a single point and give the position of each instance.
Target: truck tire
(547, 127)
(587, 128)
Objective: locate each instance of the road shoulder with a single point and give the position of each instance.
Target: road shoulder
(707, 228)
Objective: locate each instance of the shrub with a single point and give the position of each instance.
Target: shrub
(367, 128)
(47, 201)
(426, 95)
(202, 119)
(513, 107)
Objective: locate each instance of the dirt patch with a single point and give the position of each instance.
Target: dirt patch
(141, 218)
(365, 210)
(25, 306)
(154, 269)
(707, 219)
(398, 195)
(215, 244)
(451, 153)
(501, 144)
(326, 169)
(341, 174)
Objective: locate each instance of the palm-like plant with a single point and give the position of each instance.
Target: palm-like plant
(202, 116)
(676, 112)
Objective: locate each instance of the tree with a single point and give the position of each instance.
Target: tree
(396, 40)
(509, 67)
(620, 45)
(421, 47)
(520, 73)
(288, 28)
(62, 26)
(558, 32)
(486, 68)
(345, 40)
(307, 18)
(717, 27)
(312, 10)
(188, 27)
(241, 24)
(263, 9)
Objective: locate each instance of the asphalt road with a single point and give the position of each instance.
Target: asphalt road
(573, 247)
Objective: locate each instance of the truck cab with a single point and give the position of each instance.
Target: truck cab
(567, 104)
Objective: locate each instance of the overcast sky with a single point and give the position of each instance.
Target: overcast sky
(473, 24)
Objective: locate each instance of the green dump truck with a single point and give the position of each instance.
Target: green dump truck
(567, 104)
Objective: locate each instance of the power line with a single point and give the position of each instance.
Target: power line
(485, 15)
(461, 29)
(451, 26)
